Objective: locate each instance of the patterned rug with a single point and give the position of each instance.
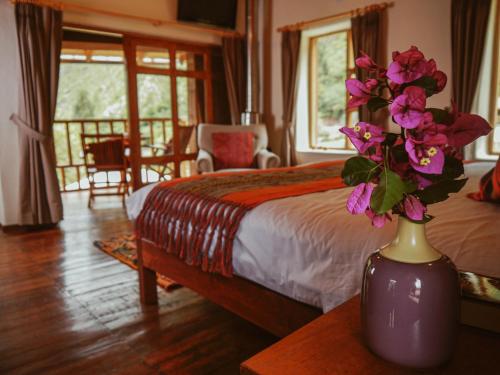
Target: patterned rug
(124, 249)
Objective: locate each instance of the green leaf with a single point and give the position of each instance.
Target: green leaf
(388, 193)
(440, 191)
(440, 116)
(427, 83)
(390, 139)
(399, 154)
(376, 103)
(358, 169)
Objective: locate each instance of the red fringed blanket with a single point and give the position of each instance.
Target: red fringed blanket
(197, 217)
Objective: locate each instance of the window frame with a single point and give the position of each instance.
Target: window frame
(494, 109)
(312, 87)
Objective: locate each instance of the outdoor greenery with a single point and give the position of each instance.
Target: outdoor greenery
(331, 66)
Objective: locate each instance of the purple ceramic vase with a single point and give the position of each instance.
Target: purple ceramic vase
(410, 310)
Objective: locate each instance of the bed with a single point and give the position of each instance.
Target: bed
(297, 257)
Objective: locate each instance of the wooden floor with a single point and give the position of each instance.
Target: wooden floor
(68, 308)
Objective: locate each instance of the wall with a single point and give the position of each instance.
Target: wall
(156, 9)
(9, 152)
(424, 23)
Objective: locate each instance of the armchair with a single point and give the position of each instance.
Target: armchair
(205, 163)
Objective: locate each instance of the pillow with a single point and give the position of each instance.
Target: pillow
(233, 150)
(489, 186)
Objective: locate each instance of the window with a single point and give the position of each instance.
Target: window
(330, 64)
(326, 60)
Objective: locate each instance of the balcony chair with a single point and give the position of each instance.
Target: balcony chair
(262, 158)
(105, 153)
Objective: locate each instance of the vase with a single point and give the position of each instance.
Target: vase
(410, 300)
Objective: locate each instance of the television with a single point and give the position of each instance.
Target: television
(217, 13)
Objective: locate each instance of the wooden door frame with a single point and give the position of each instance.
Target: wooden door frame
(129, 44)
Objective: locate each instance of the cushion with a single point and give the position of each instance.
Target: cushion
(489, 186)
(233, 150)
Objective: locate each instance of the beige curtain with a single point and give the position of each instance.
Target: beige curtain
(233, 54)
(290, 46)
(369, 34)
(469, 23)
(39, 34)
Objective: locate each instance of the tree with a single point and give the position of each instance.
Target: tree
(83, 108)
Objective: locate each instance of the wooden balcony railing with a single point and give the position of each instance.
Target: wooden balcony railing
(70, 165)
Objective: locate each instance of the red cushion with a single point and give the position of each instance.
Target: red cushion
(489, 186)
(233, 150)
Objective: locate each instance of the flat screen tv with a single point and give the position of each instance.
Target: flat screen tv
(218, 13)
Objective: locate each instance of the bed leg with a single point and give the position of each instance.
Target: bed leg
(147, 286)
(147, 280)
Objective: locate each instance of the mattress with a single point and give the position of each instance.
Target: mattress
(310, 249)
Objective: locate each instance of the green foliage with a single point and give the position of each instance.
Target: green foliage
(389, 192)
(83, 108)
(440, 116)
(376, 103)
(453, 168)
(440, 191)
(358, 169)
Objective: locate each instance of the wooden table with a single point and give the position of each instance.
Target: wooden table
(332, 344)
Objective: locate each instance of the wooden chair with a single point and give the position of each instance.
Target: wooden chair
(105, 153)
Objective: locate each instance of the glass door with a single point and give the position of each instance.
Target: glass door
(169, 95)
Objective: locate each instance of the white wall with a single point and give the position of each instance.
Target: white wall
(9, 149)
(424, 23)
(155, 9)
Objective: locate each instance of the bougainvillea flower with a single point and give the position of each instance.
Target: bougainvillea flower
(414, 209)
(407, 66)
(363, 135)
(359, 200)
(378, 221)
(421, 181)
(425, 158)
(366, 62)
(440, 79)
(408, 108)
(466, 129)
(360, 92)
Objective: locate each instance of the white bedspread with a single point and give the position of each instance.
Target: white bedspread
(310, 249)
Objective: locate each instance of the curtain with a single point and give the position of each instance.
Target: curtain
(39, 35)
(221, 110)
(233, 54)
(369, 34)
(290, 46)
(469, 23)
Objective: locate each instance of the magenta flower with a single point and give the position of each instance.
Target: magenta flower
(378, 221)
(408, 108)
(366, 62)
(360, 92)
(466, 129)
(407, 66)
(359, 200)
(363, 135)
(414, 209)
(425, 158)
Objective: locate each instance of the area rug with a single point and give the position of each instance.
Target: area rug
(124, 249)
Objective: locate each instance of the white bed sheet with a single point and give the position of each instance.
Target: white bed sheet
(310, 249)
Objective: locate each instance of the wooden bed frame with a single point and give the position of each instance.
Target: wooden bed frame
(269, 310)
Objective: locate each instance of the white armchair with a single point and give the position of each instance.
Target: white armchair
(205, 164)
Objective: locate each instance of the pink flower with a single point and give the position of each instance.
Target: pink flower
(366, 62)
(414, 209)
(424, 157)
(360, 92)
(378, 221)
(359, 200)
(408, 108)
(363, 135)
(407, 66)
(466, 129)
(440, 79)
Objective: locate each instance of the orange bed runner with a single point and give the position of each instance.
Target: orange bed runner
(197, 217)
